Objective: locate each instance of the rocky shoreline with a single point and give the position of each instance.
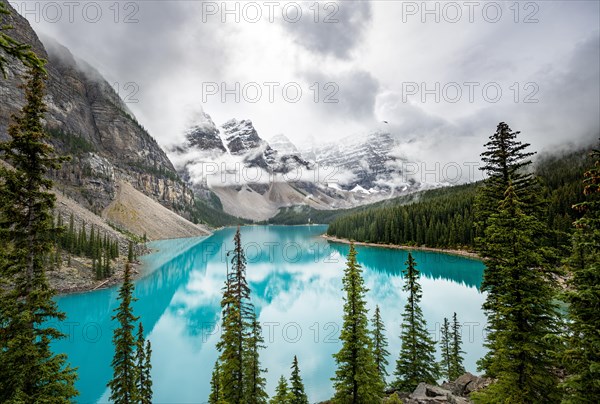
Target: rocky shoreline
(461, 253)
(79, 277)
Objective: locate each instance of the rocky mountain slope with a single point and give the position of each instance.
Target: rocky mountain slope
(88, 120)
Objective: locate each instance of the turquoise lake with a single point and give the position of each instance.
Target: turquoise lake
(295, 277)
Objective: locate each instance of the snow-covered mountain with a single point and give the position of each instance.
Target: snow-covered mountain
(253, 178)
(370, 163)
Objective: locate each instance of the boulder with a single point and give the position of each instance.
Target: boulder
(468, 383)
(428, 394)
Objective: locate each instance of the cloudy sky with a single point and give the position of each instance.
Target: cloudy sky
(442, 77)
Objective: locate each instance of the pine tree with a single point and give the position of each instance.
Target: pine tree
(445, 364)
(416, 362)
(356, 378)
(506, 160)
(71, 234)
(123, 387)
(146, 391)
(513, 238)
(29, 371)
(380, 345)
(520, 309)
(92, 243)
(582, 354)
(254, 382)
(297, 394)
(282, 394)
(236, 321)
(215, 385)
(107, 269)
(144, 366)
(456, 359)
(130, 252)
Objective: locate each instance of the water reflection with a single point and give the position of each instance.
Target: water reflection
(295, 277)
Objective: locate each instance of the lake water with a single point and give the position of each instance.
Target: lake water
(295, 277)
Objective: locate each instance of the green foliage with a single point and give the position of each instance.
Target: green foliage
(445, 349)
(16, 49)
(450, 344)
(357, 379)
(202, 212)
(522, 317)
(456, 359)
(253, 379)
(282, 394)
(123, 386)
(520, 309)
(444, 217)
(70, 143)
(102, 250)
(416, 362)
(146, 392)
(29, 371)
(215, 385)
(144, 367)
(562, 178)
(380, 344)
(297, 394)
(132, 236)
(130, 252)
(582, 355)
(237, 331)
(394, 399)
(155, 170)
(506, 161)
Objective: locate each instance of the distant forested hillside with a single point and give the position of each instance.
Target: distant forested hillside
(444, 217)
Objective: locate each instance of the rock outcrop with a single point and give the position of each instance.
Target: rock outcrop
(456, 392)
(89, 121)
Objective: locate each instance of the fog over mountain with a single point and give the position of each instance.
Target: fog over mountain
(437, 81)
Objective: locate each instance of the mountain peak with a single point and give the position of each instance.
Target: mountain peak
(241, 137)
(283, 144)
(204, 135)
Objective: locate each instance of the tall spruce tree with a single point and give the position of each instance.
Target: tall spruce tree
(445, 363)
(30, 372)
(297, 394)
(522, 314)
(456, 354)
(236, 321)
(380, 344)
(123, 386)
(512, 238)
(282, 393)
(356, 378)
(254, 381)
(582, 354)
(416, 362)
